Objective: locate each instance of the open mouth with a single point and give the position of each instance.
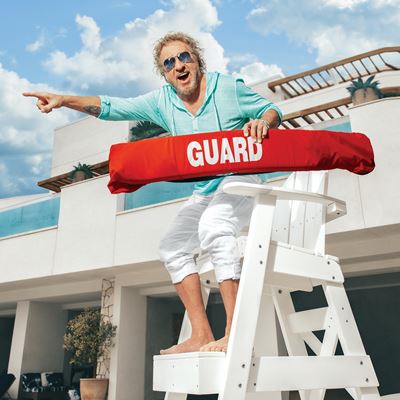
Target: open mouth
(184, 76)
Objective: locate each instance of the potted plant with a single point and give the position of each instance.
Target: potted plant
(88, 338)
(81, 172)
(364, 91)
(145, 130)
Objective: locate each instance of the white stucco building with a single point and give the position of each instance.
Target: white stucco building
(59, 251)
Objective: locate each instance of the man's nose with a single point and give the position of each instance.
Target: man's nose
(179, 64)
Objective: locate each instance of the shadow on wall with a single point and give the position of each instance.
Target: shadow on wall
(6, 333)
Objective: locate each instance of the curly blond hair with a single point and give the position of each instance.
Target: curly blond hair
(194, 45)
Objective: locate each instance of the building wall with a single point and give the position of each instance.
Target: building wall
(36, 259)
(87, 140)
(86, 227)
(380, 190)
(366, 239)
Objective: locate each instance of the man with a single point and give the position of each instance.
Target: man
(193, 101)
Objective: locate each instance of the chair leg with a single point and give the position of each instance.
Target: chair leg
(348, 333)
(244, 324)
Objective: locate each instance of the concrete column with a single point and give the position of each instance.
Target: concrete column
(17, 344)
(37, 340)
(127, 366)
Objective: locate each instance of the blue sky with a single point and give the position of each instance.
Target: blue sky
(93, 47)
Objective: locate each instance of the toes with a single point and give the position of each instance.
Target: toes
(167, 351)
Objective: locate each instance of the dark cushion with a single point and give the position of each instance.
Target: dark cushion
(31, 382)
(55, 379)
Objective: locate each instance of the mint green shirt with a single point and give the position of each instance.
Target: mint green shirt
(228, 105)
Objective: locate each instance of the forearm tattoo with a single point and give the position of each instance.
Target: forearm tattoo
(92, 110)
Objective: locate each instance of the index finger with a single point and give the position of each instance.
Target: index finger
(34, 94)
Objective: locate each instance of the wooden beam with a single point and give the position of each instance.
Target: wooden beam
(56, 182)
(315, 109)
(348, 60)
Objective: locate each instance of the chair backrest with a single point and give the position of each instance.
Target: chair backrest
(301, 223)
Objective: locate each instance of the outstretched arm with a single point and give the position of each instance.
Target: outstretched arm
(46, 102)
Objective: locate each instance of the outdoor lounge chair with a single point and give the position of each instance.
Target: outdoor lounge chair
(6, 380)
(284, 252)
(32, 386)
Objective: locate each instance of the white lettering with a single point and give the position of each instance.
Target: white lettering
(195, 154)
(255, 149)
(242, 150)
(239, 149)
(207, 154)
(226, 152)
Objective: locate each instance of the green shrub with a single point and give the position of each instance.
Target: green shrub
(88, 337)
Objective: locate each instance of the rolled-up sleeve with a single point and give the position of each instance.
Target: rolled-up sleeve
(135, 108)
(251, 104)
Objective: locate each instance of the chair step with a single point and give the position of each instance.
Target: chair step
(203, 373)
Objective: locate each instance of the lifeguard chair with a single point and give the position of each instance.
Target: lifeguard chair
(284, 252)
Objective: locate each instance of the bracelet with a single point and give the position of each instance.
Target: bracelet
(265, 123)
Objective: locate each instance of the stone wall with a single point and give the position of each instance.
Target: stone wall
(107, 302)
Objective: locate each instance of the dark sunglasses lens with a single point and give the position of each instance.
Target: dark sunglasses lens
(185, 57)
(169, 63)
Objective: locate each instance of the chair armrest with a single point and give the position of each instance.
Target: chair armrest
(335, 207)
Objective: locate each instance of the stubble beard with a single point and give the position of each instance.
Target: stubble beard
(188, 91)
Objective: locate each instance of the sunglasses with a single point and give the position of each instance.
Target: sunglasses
(184, 57)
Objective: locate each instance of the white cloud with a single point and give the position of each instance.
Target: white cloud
(90, 33)
(334, 29)
(26, 135)
(351, 43)
(257, 71)
(123, 64)
(37, 44)
(343, 4)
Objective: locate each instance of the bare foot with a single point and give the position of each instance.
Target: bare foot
(217, 345)
(188, 346)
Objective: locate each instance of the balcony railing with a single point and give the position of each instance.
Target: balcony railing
(365, 64)
(316, 114)
(31, 216)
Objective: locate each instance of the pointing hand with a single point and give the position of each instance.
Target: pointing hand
(46, 101)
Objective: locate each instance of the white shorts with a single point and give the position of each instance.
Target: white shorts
(212, 224)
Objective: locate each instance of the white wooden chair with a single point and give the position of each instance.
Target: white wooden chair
(284, 252)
